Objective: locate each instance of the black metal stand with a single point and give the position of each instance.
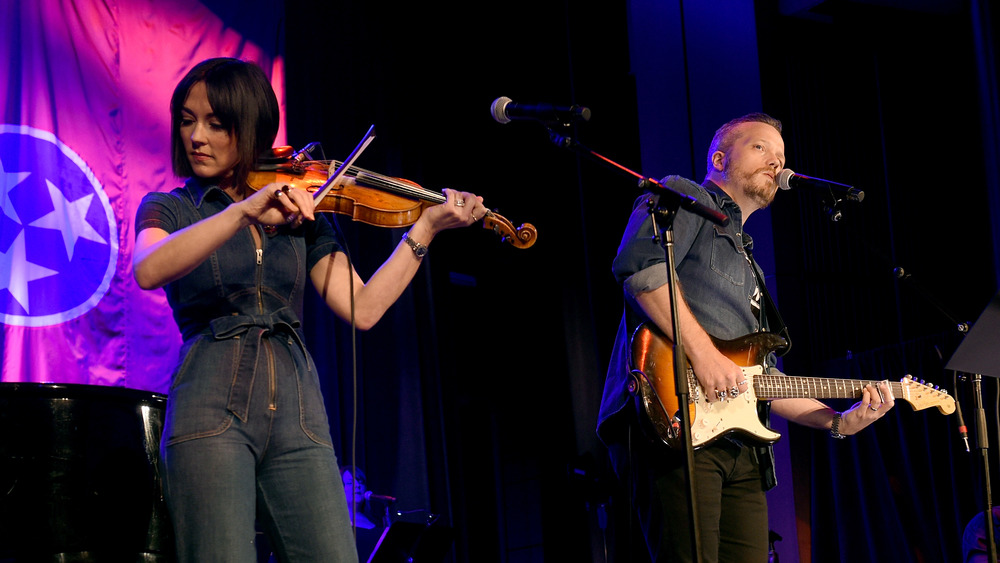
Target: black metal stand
(663, 206)
(666, 236)
(982, 445)
(977, 357)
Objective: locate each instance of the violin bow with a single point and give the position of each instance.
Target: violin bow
(342, 169)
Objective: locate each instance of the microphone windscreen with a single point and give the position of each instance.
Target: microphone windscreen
(499, 109)
(783, 177)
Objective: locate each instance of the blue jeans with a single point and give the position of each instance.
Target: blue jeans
(274, 463)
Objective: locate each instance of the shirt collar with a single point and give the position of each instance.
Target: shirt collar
(725, 203)
(721, 198)
(731, 208)
(200, 190)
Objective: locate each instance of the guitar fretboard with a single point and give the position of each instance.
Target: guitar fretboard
(788, 387)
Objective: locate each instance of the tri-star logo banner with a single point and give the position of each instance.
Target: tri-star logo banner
(59, 231)
(84, 134)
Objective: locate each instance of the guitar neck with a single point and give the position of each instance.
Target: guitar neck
(780, 386)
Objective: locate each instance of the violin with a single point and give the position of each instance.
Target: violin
(369, 197)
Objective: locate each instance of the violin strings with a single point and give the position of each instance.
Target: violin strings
(390, 185)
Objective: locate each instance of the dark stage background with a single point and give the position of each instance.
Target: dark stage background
(474, 402)
(478, 397)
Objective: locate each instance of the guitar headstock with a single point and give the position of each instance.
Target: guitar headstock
(922, 396)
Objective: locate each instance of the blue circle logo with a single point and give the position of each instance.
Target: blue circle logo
(58, 235)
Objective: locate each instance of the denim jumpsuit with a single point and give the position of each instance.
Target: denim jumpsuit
(246, 434)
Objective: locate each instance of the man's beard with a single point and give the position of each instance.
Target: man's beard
(756, 185)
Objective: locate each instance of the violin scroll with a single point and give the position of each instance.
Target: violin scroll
(521, 237)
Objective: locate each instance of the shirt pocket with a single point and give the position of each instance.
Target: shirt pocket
(728, 260)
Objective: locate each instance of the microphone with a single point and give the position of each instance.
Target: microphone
(788, 180)
(384, 498)
(304, 153)
(504, 111)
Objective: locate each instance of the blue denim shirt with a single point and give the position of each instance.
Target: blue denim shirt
(235, 304)
(713, 269)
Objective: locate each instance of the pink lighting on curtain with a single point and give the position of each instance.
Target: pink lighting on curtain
(83, 136)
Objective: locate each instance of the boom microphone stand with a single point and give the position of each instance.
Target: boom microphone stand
(663, 206)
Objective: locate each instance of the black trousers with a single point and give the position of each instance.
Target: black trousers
(729, 496)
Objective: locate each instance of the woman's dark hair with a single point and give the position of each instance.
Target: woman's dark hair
(244, 102)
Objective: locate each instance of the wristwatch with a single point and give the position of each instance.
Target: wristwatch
(419, 250)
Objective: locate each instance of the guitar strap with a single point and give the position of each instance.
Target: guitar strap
(774, 323)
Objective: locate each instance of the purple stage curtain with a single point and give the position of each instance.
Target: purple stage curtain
(84, 135)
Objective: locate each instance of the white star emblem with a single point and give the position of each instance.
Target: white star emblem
(16, 271)
(69, 218)
(10, 179)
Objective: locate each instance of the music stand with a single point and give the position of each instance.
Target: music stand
(977, 355)
(978, 351)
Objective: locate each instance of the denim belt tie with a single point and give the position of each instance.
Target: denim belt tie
(254, 327)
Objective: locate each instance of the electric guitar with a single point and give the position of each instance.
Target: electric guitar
(654, 387)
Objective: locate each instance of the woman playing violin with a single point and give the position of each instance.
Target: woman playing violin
(246, 432)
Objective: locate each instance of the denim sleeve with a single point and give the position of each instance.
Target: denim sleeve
(639, 264)
(321, 240)
(158, 210)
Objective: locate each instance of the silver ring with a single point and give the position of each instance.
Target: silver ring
(721, 394)
(474, 217)
(734, 392)
(874, 408)
(459, 203)
(744, 382)
(278, 194)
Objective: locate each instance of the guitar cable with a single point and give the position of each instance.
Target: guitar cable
(963, 431)
(354, 378)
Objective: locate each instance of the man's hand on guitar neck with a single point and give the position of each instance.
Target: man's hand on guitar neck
(874, 403)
